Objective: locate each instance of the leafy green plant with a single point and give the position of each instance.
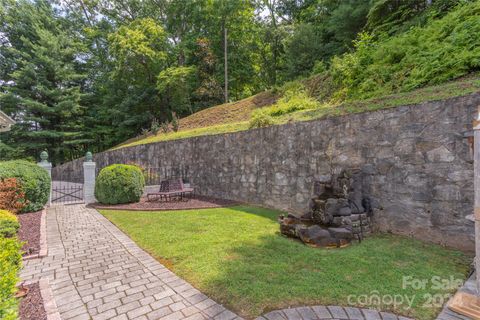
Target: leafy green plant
(165, 127)
(145, 132)
(175, 122)
(289, 104)
(10, 264)
(319, 67)
(119, 183)
(294, 98)
(260, 120)
(154, 126)
(34, 181)
(8, 224)
(176, 85)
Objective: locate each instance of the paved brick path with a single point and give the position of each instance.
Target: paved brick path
(96, 272)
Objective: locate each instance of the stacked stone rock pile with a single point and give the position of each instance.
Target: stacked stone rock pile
(339, 212)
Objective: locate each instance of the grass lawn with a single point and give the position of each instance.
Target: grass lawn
(236, 256)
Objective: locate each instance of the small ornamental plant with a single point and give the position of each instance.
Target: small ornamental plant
(165, 127)
(175, 122)
(260, 120)
(12, 197)
(8, 224)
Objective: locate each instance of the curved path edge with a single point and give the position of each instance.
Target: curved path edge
(329, 313)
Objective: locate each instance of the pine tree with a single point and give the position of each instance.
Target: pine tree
(41, 87)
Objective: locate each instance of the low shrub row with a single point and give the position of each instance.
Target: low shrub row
(10, 264)
(30, 190)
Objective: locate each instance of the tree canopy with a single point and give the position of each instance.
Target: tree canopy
(82, 75)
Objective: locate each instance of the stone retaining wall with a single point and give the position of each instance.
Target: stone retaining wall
(417, 162)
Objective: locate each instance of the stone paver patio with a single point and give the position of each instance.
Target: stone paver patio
(95, 271)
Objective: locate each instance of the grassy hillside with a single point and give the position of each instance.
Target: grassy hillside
(214, 119)
(235, 116)
(436, 61)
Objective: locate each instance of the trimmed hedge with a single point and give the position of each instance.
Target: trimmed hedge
(119, 183)
(35, 182)
(8, 224)
(10, 264)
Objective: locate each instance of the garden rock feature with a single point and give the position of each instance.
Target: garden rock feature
(340, 211)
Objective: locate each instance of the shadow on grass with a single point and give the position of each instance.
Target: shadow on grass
(270, 214)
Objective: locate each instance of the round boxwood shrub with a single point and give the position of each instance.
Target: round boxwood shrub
(34, 181)
(119, 183)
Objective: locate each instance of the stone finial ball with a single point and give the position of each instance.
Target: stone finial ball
(89, 156)
(44, 156)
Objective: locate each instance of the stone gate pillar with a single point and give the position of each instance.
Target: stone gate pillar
(47, 166)
(89, 168)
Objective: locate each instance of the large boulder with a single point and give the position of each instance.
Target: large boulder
(288, 224)
(316, 236)
(341, 233)
(337, 207)
(341, 221)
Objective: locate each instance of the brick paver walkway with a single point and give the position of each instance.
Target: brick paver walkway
(96, 272)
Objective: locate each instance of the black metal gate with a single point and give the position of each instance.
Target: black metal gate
(67, 186)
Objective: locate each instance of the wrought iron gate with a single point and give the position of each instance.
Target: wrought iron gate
(67, 186)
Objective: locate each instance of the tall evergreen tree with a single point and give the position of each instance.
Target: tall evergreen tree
(41, 86)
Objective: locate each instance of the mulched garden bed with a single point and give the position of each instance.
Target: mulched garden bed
(31, 306)
(30, 231)
(198, 202)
